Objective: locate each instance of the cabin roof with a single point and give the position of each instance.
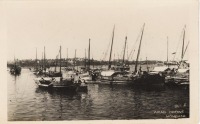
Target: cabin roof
(119, 72)
(182, 70)
(107, 73)
(160, 69)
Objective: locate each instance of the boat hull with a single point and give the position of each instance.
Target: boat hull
(67, 85)
(148, 81)
(15, 70)
(177, 81)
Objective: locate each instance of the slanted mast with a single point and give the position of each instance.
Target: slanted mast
(67, 58)
(75, 59)
(167, 52)
(89, 56)
(109, 64)
(36, 61)
(60, 59)
(167, 49)
(44, 60)
(56, 62)
(85, 59)
(183, 49)
(138, 54)
(124, 49)
(182, 55)
(186, 48)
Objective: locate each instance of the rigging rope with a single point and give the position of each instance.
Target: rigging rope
(105, 54)
(133, 47)
(178, 44)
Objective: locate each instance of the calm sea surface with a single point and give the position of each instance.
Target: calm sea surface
(27, 102)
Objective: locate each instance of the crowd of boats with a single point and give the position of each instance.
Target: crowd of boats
(70, 78)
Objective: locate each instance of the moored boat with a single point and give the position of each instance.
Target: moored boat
(72, 83)
(15, 69)
(117, 77)
(119, 73)
(180, 77)
(60, 83)
(146, 79)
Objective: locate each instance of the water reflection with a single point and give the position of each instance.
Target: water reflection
(64, 102)
(102, 101)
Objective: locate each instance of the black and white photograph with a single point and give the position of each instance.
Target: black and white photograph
(94, 60)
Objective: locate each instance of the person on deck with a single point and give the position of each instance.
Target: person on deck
(94, 76)
(76, 78)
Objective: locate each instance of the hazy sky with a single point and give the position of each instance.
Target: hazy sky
(31, 25)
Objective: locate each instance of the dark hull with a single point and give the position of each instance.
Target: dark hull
(118, 77)
(148, 81)
(82, 89)
(15, 70)
(55, 74)
(177, 82)
(66, 85)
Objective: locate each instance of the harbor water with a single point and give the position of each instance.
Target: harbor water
(27, 102)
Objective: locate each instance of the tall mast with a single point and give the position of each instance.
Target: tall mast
(36, 54)
(186, 49)
(114, 59)
(67, 57)
(147, 65)
(85, 58)
(14, 61)
(44, 60)
(60, 59)
(124, 49)
(36, 59)
(93, 62)
(167, 51)
(183, 44)
(67, 53)
(89, 56)
(56, 63)
(75, 59)
(109, 64)
(136, 64)
(127, 53)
